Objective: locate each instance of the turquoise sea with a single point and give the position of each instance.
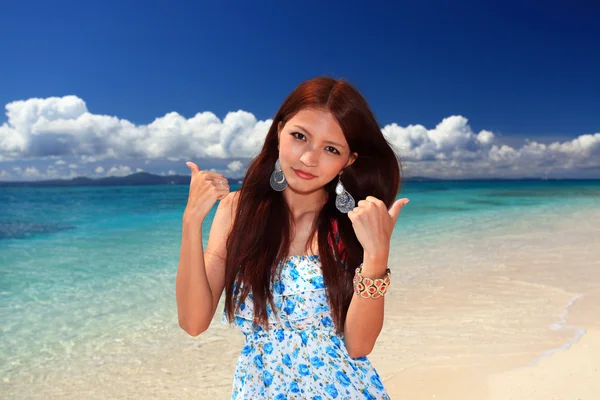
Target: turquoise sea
(84, 267)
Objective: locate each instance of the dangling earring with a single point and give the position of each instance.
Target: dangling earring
(343, 201)
(277, 180)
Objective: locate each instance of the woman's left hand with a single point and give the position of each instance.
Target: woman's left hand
(373, 225)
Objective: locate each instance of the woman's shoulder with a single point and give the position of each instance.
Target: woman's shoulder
(233, 195)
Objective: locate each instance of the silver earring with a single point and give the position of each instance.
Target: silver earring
(343, 201)
(277, 180)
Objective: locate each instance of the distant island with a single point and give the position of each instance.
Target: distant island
(145, 178)
(139, 178)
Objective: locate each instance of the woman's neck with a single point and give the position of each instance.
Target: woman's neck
(302, 205)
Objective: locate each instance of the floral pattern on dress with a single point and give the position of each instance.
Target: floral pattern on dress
(300, 356)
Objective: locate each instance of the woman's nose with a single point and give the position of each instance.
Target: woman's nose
(309, 158)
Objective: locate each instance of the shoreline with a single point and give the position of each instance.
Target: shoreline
(578, 335)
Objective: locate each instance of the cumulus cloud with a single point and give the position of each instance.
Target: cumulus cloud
(450, 139)
(452, 149)
(31, 172)
(119, 170)
(234, 166)
(63, 127)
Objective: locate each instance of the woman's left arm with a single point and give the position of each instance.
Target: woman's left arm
(373, 225)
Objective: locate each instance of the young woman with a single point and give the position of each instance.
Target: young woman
(303, 265)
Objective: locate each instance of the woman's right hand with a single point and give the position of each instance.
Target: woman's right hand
(205, 189)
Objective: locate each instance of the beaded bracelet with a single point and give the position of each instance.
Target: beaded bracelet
(368, 287)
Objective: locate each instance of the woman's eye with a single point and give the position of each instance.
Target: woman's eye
(334, 150)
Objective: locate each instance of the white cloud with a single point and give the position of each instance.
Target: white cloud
(63, 127)
(234, 166)
(119, 170)
(452, 149)
(4, 174)
(88, 159)
(31, 172)
(51, 172)
(451, 139)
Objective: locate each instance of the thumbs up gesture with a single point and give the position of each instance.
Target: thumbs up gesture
(373, 225)
(205, 189)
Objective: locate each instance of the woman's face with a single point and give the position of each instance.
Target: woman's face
(313, 142)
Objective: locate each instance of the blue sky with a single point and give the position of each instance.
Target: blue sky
(436, 74)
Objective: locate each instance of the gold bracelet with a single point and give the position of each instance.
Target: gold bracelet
(368, 287)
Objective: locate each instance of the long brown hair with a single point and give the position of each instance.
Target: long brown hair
(261, 229)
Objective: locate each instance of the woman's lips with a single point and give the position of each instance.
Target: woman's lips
(303, 175)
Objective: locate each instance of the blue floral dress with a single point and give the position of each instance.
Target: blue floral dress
(300, 356)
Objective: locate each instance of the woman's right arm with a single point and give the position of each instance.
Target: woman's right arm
(200, 277)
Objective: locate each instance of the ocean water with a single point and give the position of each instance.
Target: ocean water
(82, 268)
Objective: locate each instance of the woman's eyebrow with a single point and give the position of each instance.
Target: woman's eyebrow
(326, 141)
